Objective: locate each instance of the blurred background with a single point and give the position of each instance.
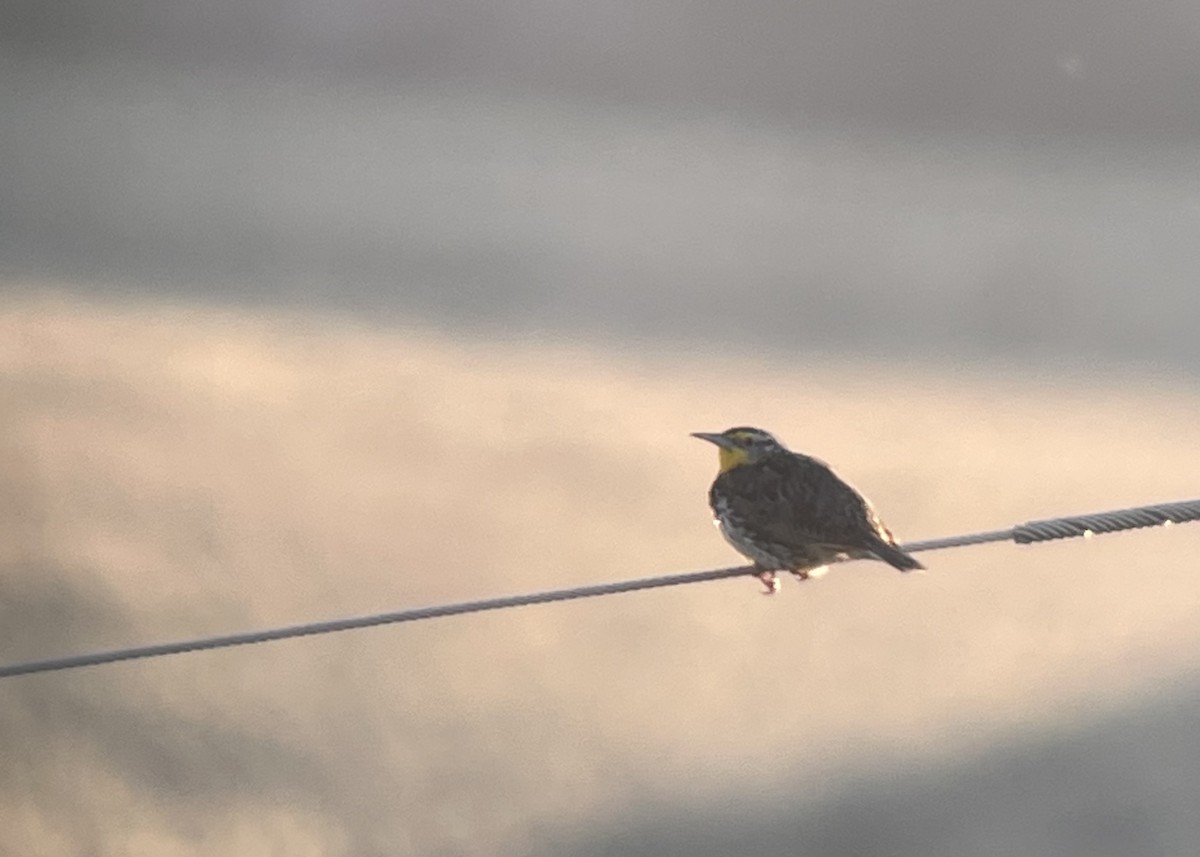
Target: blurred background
(317, 309)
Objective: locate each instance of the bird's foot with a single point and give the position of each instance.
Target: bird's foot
(811, 573)
(770, 581)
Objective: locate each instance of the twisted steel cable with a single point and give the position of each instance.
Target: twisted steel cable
(1028, 533)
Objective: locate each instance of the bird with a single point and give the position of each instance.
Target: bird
(786, 511)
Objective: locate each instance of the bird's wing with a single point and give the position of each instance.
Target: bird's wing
(798, 499)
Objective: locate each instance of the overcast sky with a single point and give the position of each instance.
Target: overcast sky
(906, 177)
(1025, 66)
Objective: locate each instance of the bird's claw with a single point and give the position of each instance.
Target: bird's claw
(770, 581)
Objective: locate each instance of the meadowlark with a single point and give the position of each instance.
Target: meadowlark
(790, 512)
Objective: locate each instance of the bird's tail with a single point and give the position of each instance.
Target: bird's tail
(894, 557)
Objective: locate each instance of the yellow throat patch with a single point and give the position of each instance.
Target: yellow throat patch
(731, 458)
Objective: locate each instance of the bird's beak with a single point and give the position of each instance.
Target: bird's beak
(719, 439)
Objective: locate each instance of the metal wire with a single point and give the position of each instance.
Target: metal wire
(1107, 522)
(1028, 533)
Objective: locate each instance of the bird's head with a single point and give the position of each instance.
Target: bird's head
(742, 445)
